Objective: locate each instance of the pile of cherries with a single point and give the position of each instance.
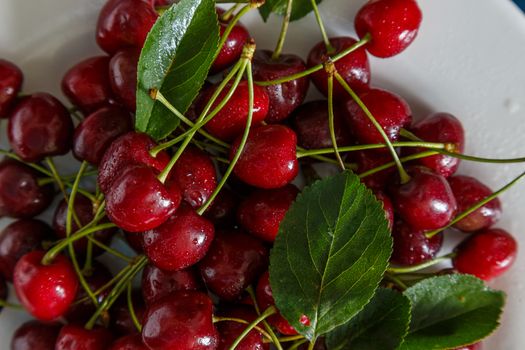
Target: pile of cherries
(189, 249)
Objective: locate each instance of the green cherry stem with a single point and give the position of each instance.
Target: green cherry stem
(329, 48)
(297, 344)
(217, 319)
(330, 69)
(422, 266)
(396, 280)
(269, 329)
(114, 280)
(234, 21)
(289, 339)
(110, 250)
(284, 30)
(403, 160)
(6, 304)
(311, 345)
(131, 308)
(229, 13)
(267, 313)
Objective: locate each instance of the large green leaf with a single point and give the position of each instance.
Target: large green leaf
(175, 60)
(451, 311)
(300, 8)
(382, 325)
(331, 252)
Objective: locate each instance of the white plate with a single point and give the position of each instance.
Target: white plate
(468, 60)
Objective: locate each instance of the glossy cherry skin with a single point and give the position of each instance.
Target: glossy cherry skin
(390, 111)
(310, 122)
(412, 247)
(157, 283)
(354, 68)
(392, 24)
(45, 291)
(40, 126)
(222, 210)
(426, 202)
(232, 48)
(86, 84)
(476, 346)
(388, 207)
(370, 159)
(20, 194)
(487, 254)
(269, 158)
(469, 191)
(129, 342)
(35, 335)
(229, 331)
(96, 133)
(180, 321)
(3, 290)
(262, 212)
(286, 97)
(19, 238)
(124, 23)
(73, 337)
(123, 76)
(120, 321)
(234, 261)
(11, 79)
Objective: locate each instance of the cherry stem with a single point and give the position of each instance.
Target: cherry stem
(403, 160)
(109, 250)
(228, 14)
(476, 206)
(297, 344)
(131, 309)
(217, 319)
(329, 48)
(422, 266)
(114, 280)
(4, 303)
(232, 24)
(330, 69)
(396, 280)
(284, 30)
(274, 338)
(267, 313)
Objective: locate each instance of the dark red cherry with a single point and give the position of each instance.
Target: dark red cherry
(120, 321)
(3, 290)
(286, 97)
(370, 159)
(232, 48)
(310, 122)
(222, 210)
(262, 212)
(469, 191)
(20, 194)
(412, 247)
(426, 202)
(129, 342)
(182, 320)
(353, 68)
(229, 331)
(96, 133)
(11, 79)
(234, 261)
(40, 126)
(390, 111)
(487, 254)
(123, 76)
(392, 25)
(180, 242)
(387, 207)
(476, 346)
(19, 238)
(157, 283)
(35, 335)
(45, 291)
(86, 84)
(73, 337)
(269, 158)
(124, 23)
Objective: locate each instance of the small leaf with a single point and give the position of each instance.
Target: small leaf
(381, 325)
(451, 311)
(331, 252)
(300, 8)
(175, 60)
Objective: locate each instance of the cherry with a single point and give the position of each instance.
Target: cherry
(19, 238)
(469, 191)
(10, 84)
(46, 291)
(138, 201)
(230, 121)
(392, 24)
(3, 290)
(426, 202)
(285, 97)
(194, 173)
(387, 207)
(390, 111)
(123, 76)
(121, 321)
(124, 23)
(412, 247)
(222, 210)
(129, 342)
(487, 254)
(35, 335)
(353, 68)
(39, 126)
(269, 158)
(229, 331)
(370, 159)
(86, 84)
(234, 261)
(73, 337)
(96, 133)
(310, 122)
(157, 283)
(232, 49)
(20, 194)
(262, 212)
(476, 346)
(182, 320)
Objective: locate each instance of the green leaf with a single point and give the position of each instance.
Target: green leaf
(300, 8)
(381, 325)
(175, 60)
(451, 311)
(331, 252)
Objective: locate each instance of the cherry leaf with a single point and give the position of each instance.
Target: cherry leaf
(300, 8)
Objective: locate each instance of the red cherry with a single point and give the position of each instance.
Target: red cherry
(370, 159)
(46, 291)
(387, 207)
(229, 331)
(476, 346)
(232, 49)
(121, 321)
(262, 212)
(86, 84)
(182, 320)
(129, 342)
(73, 337)
(157, 283)
(487, 254)
(40, 126)
(269, 158)
(35, 335)
(353, 68)
(222, 210)
(412, 247)
(123, 76)
(469, 191)
(10, 84)
(392, 24)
